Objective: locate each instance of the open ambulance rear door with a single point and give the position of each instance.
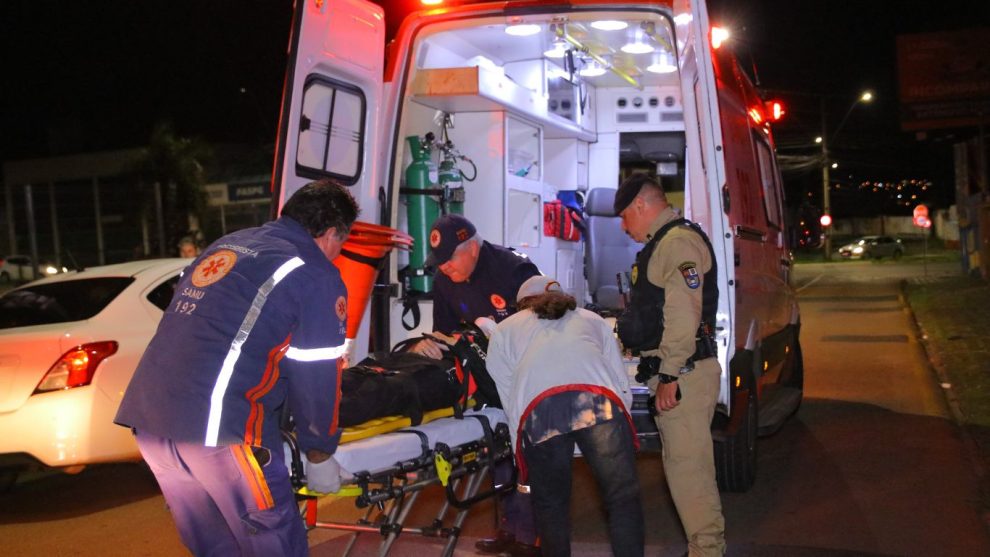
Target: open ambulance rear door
(330, 121)
(706, 174)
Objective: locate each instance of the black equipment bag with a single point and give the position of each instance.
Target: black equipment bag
(403, 383)
(409, 384)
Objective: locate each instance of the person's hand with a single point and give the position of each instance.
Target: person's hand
(429, 348)
(323, 475)
(487, 325)
(666, 396)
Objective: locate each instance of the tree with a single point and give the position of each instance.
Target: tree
(172, 178)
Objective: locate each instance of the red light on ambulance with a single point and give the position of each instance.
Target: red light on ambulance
(719, 36)
(775, 110)
(756, 115)
(431, 2)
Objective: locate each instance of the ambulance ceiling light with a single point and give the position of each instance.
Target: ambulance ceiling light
(662, 64)
(592, 69)
(522, 29)
(609, 25)
(558, 49)
(430, 2)
(638, 44)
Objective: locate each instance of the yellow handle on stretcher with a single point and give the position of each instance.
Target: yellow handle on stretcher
(345, 491)
(443, 468)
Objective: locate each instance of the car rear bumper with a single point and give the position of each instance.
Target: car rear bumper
(67, 428)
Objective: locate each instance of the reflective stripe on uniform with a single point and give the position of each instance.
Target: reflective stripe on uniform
(227, 370)
(316, 354)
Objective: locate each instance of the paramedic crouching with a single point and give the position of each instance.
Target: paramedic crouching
(258, 324)
(560, 376)
(479, 279)
(668, 323)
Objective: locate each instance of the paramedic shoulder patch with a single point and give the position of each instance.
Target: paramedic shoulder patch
(689, 271)
(213, 268)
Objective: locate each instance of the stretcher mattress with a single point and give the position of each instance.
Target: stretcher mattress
(382, 451)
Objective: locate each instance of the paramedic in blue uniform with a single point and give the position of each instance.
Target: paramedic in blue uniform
(256, 325)
(669, 323)
(480, 279)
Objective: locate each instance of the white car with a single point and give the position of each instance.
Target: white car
(68, 347)
(17, 268)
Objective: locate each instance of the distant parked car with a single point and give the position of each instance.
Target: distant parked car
(875, 247)
(68, 347)
(17, 268)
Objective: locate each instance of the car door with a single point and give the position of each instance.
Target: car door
(329, 125)
(706, 164)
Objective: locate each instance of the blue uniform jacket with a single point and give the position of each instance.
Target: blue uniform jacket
(257, 320)
(489, 292)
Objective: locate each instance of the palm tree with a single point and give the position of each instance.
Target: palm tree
(172, 177)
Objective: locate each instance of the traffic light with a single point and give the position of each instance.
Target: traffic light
(826, 220)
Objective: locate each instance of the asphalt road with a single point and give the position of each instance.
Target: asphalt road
(871, 464)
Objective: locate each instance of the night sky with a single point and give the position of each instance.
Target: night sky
(86, 76)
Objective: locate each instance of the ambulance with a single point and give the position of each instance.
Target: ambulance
(525, 117)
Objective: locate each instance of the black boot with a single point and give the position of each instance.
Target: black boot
(502, 541)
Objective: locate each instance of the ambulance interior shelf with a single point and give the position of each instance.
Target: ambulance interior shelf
(478, 89)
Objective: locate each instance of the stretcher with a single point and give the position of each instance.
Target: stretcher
(387, 472)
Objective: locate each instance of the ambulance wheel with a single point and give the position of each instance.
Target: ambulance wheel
(735, 455)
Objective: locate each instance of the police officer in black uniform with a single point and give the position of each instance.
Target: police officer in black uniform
(669, 324)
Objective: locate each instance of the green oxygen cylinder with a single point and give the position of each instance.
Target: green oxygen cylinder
(422, 209)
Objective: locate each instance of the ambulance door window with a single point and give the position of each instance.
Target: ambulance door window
(768, 181)
(331, 130)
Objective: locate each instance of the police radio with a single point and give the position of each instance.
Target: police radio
(622, 280)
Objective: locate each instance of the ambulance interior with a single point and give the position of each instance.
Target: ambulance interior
(542, 106)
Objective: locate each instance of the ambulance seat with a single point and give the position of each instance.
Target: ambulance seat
(609, 250)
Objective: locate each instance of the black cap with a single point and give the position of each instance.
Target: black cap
(448, 232)
(629, 189)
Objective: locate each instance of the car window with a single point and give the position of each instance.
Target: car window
(18, 260)
(161, 296)
(59, 302)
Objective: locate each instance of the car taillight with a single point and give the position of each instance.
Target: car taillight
(76, 367)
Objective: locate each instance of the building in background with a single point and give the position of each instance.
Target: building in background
(944, 84)
(94, 208)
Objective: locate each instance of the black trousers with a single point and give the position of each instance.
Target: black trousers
(608, 449)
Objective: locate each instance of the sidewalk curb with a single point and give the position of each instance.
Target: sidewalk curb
(973, 452)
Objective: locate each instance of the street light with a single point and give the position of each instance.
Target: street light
(865, 97)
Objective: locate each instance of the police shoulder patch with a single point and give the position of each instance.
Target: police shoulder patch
(689, 270)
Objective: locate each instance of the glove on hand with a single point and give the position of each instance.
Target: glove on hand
(323, 477)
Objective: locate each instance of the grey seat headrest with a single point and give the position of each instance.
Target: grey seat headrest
(600, 201)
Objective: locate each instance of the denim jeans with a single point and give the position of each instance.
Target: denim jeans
(608, 449)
